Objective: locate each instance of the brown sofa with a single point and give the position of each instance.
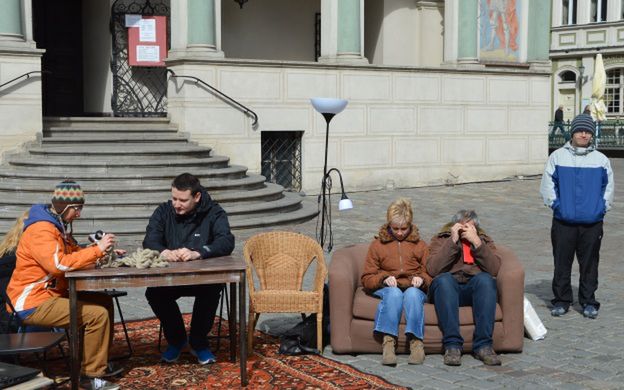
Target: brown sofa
(352, 311)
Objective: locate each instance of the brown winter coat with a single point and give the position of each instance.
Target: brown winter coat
(402, 259)
(446, 256)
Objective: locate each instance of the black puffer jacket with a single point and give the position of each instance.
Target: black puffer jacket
(206, 230)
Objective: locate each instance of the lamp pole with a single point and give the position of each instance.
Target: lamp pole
(581, 70)
(328, 117)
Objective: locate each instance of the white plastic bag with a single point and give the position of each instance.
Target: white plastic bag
(532, 323)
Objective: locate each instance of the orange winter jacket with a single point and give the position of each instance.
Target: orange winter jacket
(401, 259)
(43, 257)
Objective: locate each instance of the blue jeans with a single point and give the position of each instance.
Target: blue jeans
(389, 310)
(448, 295)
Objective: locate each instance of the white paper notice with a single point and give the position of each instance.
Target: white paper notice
(146, 53)
(147, 30)
(133, 20)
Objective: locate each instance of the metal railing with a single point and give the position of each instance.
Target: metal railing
(25, 75)
(240, 106)
(609, 134)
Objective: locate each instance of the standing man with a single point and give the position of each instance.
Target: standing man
(38, 288)
(558, 122)
(578, 186)
(464, 261)
(190, 226)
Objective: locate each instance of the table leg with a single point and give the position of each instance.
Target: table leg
(243, 327)
(74, 342)
(232, 323)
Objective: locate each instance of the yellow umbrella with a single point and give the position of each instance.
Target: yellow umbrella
(597, 106)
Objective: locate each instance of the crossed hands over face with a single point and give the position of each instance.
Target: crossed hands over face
(391, 281)
(465, 231)
(182, 254)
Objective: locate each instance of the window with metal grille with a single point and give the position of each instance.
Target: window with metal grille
(614, 91)
(281, 158)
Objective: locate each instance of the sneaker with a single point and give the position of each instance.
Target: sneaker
(590, 311)
(487, 356)
(558, 311)
(452, 357)
(172, 353)
(204, 356)
(98, 384)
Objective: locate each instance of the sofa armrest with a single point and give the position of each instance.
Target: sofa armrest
(510, 285)
(343, 281)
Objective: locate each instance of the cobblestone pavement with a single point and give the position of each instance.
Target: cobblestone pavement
(578, 353)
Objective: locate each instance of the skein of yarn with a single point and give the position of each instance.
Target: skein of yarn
(141, 258)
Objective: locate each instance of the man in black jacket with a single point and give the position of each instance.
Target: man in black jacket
(190, 226)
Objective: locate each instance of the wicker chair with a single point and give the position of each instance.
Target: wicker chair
(280, 260)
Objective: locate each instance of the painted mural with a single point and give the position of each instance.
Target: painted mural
(499, 30)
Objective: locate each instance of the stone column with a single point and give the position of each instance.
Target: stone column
(468, 21)
(196, 29)
(342, 32)
(538, 50)
(450, 30)
(16, 25)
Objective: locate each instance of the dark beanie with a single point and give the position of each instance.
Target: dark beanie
(583, 122)
(66, 193)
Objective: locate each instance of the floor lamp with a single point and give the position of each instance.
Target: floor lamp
(329, 107)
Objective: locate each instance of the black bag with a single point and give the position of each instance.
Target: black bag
(301, 339)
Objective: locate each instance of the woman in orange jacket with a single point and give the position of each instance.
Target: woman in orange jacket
(395, 272)
(38, 288)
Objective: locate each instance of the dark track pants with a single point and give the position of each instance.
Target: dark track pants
(584, 241)
(163, 303)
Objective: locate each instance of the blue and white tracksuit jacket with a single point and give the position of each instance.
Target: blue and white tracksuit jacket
(578, 184)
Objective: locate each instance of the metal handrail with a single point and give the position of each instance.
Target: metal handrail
(27, 75)
(241, 106)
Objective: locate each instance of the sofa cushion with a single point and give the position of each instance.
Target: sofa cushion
(365, 307)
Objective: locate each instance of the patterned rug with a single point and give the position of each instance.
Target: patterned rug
(266, 368)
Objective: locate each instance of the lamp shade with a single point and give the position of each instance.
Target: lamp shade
(345, 204)
(329, 105)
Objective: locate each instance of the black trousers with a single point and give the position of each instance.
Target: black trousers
(584, 241)
(163, 301)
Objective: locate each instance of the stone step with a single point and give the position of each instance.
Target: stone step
(106, 122)
(65, 131)
(138, 187)
(118, 173)
(165, 162)
(136, 228)
(287, 201)
(91, 138)
(115, 201)
(138, 150)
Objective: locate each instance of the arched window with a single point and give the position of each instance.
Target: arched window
(567, 77)
(614, 91)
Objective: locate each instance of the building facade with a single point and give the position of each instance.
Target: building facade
(439, 91)
(580, 30)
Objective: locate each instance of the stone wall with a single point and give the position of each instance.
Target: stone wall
(403, 126)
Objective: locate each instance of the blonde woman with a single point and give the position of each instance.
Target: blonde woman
(395, 271)
(7, 260)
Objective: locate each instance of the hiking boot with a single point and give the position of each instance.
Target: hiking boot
(487, 356)
(558, 311)
(389, 357)
(172, 353)
(204, 355)
(590, 311)
(417, 352)
(98, 384)
(452, 357)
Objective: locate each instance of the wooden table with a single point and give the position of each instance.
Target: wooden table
(227, 269)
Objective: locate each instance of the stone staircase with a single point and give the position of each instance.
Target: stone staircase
(125, 166)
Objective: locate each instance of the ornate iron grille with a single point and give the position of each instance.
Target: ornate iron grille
(281, 158)
(137, 91)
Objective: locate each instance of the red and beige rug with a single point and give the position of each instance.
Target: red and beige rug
(266, 368)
